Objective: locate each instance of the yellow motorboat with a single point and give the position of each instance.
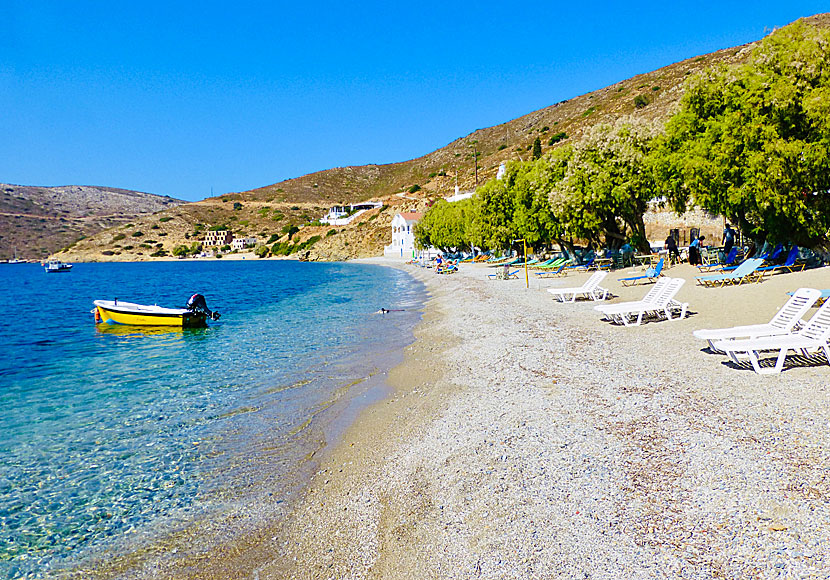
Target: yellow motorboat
(119, 312)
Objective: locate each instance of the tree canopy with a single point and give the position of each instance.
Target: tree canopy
(751, 142)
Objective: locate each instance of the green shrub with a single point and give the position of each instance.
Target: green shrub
(641, 101)
(557, 137)
(108, 253)
(218, 228)
(237, 206)
(154, 227)
(295, 208)
(165, 219)
(277, 217)
(502, 146)
(138, 234)
(545, 129)
(150, 242)
(118, 237)
(161, 234)
(590, 111)
(414, 188)
(331, 232)
(433, 174)
(181, 251)
(655, 88)
(128, 248)
(273, 238)
(159, 254)
(261, 251)
(226, 248)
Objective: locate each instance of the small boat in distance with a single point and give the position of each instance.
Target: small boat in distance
(53, 266)
(195, 315)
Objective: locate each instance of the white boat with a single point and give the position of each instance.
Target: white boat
(53, 266)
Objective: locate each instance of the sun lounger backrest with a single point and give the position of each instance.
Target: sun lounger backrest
(668, 292)
(818, 327)
(794, 309)
(659, 269)
(656, 289)
(594, 280)
(791, 257)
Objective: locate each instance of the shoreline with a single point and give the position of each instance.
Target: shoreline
(528, 439)
(525, 438)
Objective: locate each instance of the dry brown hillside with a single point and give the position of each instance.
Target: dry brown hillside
(265, 211)
(37, 221)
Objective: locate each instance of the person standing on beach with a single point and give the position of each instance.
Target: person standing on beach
(671, 246)
(694, 251)
(728, 239)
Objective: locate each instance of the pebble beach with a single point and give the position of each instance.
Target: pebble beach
(529, 439)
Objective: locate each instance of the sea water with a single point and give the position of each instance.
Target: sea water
(111, 435)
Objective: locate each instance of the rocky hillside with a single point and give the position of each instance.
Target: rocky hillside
(37, 221)
(268, 212)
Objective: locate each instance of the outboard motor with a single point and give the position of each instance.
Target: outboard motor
(197, 303)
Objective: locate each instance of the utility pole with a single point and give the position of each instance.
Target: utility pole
(475, 158)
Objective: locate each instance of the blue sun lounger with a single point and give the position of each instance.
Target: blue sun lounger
(651, 275)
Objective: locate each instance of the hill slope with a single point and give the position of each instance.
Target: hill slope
(267, 210)
(38, 221)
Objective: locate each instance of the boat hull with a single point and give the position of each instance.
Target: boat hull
(139, 315)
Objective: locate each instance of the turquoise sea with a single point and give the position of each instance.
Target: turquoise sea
(112, 436)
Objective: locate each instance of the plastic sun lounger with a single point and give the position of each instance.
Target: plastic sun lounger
(743, 273)
(509, 262)
(730, 258)
(787, 317)
(649, 276)
(590, 289)
(824, 295)
(513, 274)
(812, 337)
(560, 271)
(790, 264)
(554, 264)
(658, 301)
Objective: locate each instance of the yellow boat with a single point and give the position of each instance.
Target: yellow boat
(117, 312)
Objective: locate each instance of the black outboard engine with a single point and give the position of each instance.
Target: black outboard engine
(197, 303)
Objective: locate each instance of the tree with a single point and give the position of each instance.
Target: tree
(751, 142)
(606, 184)
(537, 148)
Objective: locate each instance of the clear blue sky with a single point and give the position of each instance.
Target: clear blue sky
(177, 98)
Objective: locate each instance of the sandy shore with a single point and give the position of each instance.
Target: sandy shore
(528, 439)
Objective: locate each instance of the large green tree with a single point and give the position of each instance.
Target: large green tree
(751, 142)
(606, 184)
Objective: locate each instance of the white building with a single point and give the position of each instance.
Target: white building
(340, 215)
(242, 243)
(403, 235)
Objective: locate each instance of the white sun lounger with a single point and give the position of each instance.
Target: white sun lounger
(787, 317)
(659, 301)
(812, 338)
(590, 289)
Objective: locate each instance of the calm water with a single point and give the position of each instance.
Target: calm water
(112, 433)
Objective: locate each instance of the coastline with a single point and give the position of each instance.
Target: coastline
(525, 438)
(529, 439)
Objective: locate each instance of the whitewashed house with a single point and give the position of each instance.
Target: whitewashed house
(403, 235)
(340, 215)
(242, 243)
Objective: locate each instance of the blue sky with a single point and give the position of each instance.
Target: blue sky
(177, 98)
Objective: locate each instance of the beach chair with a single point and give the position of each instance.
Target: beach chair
(503, 263)
(548, 273)
(810, 341)
(728, 260)
(787, 317)
(790, 264)
(590, 289)
(658, 301)
(502, 276)
(448, 269)
(743, 273)
(651, 275)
